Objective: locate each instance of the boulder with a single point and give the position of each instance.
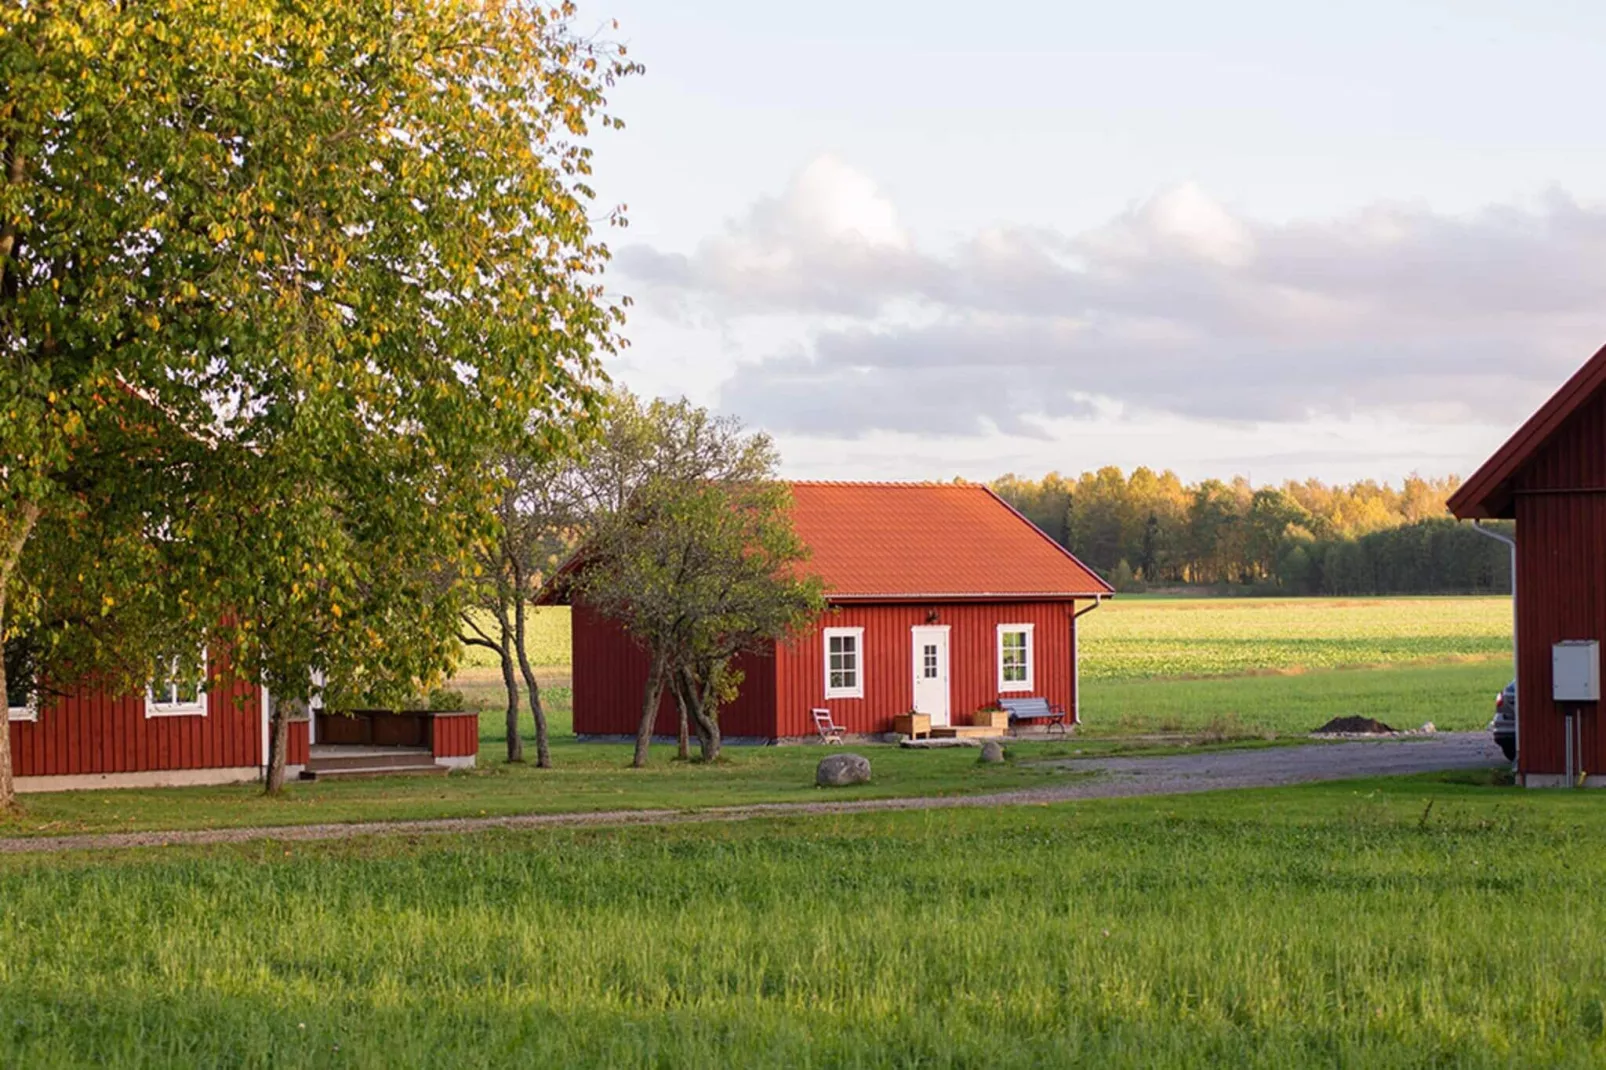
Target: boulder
(841, 770)
(992, 751)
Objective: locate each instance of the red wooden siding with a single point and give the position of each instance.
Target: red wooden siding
(610, 673)
(94, 732)
(1561, 586)
(889, 666)
(296, 749)
(1574, 458)
(454, 735)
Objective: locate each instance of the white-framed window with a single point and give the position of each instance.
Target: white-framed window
(22, 699)
(176, 693)
(1016, 658)
(844, 663)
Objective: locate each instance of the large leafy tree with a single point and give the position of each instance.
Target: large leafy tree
(320, 262)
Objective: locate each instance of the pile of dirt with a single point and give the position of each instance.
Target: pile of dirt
(1354, 726)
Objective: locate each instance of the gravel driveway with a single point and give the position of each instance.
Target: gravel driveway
(1119, 777)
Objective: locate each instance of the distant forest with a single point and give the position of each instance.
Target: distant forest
(1150, 529)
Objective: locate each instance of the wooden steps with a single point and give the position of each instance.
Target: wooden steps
(969, 731)
(350, 762)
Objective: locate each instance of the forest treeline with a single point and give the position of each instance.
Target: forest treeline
(1152, 529)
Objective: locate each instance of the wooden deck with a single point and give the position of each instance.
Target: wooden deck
(967, 731)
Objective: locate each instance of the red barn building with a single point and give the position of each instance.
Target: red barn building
(1550, 477)
(942, 599)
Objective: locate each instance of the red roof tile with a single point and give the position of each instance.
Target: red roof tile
(930, 540)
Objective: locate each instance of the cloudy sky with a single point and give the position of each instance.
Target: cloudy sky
(926, 239)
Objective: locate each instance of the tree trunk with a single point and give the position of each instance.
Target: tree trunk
(278, 744)
(683, 697)
(17, 532)
(649, 710)
(706, 716)
(505, 641)
(543, 748)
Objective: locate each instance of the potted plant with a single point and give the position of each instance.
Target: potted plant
(992, 715)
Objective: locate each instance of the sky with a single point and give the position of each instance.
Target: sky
(920, 240)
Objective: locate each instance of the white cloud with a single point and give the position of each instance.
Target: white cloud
(1179, 306)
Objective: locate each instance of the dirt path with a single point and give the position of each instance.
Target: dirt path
(1120, 777)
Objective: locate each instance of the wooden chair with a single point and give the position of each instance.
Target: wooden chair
(830, 731)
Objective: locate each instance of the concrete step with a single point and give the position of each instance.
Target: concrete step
(323, 760)
(966, 731)
(356, 772)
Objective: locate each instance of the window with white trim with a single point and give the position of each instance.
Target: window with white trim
(178, 692)
(22, 681)
(22, 697)
(1016, 659)
(844, 663)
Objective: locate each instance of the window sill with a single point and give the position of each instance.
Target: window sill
(1008, 688)
(830, 695)
(174, 711)
(23, 713)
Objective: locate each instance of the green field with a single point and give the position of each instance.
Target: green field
(1338, 925)
(1150, 638)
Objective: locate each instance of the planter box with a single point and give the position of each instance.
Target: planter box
(913, 725)
(990, 719)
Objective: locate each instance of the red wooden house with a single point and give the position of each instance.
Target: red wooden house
(180, 733)
(1550, 477)
(942, 599)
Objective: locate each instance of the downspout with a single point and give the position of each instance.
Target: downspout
(1516, 664)
(1076, 658)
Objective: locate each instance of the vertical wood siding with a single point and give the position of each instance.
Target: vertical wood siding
(1561, 589)
(889, 662)
(454, 735)
(610, 673)
(297, 747)
(92, 731)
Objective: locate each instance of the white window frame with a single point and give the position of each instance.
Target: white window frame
(857, 635)
(1004, 685)
(154, 708)
(30, 712)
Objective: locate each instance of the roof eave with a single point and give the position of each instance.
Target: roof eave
(1486, 495)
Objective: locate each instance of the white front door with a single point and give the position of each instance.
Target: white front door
(931, 672)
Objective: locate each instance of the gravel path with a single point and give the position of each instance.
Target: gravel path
(1119, 777)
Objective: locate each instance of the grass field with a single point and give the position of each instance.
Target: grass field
(1337, 925)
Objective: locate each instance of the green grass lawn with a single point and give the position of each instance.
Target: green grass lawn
(1331, 925)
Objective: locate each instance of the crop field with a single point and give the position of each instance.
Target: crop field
(1339, 925)
(548, 637)
(1143, 638)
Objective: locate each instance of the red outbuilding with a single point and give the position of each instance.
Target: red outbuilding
(1551, 479)
(189, 733)
(942, 600)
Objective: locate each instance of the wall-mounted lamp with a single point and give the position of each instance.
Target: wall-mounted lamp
(931, 616)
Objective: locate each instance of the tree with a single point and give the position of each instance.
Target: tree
(327, 261)
(692, 550)
(538, 515)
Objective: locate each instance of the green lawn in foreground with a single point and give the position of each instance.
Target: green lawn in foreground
(586, 777)
(1333, 925)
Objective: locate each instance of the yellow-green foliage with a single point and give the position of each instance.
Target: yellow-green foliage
(1138, 638)
(1328, 926)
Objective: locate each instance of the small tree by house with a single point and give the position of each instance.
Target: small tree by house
(692, 551)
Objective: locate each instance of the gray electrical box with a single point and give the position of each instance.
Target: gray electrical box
(1575, 671)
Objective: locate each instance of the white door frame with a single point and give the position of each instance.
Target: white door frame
(919, 636)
